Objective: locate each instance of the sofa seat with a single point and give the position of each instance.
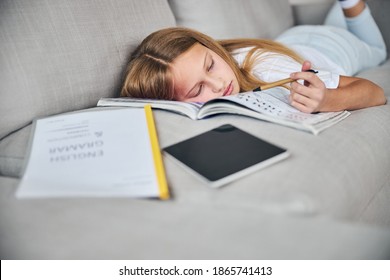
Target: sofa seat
(329, 200)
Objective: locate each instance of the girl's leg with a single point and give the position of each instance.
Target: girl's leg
(357, 19)
(354, 43)
(346, 4)
(335, 17)
(352, 8)
(365, 28)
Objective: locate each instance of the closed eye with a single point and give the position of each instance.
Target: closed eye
(199, 90)
(211, 65)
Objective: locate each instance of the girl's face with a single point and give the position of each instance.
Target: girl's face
(200, 74)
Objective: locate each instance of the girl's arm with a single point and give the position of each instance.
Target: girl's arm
(352, 93)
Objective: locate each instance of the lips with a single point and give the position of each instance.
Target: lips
(229, 89)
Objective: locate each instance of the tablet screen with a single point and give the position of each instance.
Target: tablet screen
(224, 153)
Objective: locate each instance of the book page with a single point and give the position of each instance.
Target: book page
(189, 109)
(275, 102)
(99, 154)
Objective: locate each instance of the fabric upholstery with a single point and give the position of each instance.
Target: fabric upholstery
(59, 56)
(380, 10)
(62, 56)
(130, 229)
(224, 19)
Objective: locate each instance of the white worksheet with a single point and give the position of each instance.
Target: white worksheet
(90, 154)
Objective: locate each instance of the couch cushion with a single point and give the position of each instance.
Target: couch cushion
(127, 229)
(224, 19)
(335, 174)
(379, 75)
(58, 56)
(13, 151)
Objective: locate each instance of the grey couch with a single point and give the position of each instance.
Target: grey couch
(329, 200)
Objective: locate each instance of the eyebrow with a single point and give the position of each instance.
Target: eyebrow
(204, 67)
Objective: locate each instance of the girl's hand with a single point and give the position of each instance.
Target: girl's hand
(310, 96)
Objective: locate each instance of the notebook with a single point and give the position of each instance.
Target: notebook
(110, 153)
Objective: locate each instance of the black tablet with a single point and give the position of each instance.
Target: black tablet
(224, 154)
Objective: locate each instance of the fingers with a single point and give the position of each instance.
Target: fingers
(309, 97)
(310, 78)
(306, 65)
(304, 90)
(304, 99)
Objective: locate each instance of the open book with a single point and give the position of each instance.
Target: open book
(270, 105)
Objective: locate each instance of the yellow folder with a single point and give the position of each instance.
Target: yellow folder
(158, 163)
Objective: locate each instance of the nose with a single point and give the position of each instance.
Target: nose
(216, 84)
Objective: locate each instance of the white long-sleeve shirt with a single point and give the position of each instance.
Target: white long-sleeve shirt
(271, 67)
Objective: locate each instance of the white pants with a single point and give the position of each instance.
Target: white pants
(354, 44)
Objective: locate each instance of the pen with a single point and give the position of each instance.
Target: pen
(280, 82)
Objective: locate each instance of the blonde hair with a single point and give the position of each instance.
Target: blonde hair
(148, 75)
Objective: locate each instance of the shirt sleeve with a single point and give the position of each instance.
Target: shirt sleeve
(271, 67)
